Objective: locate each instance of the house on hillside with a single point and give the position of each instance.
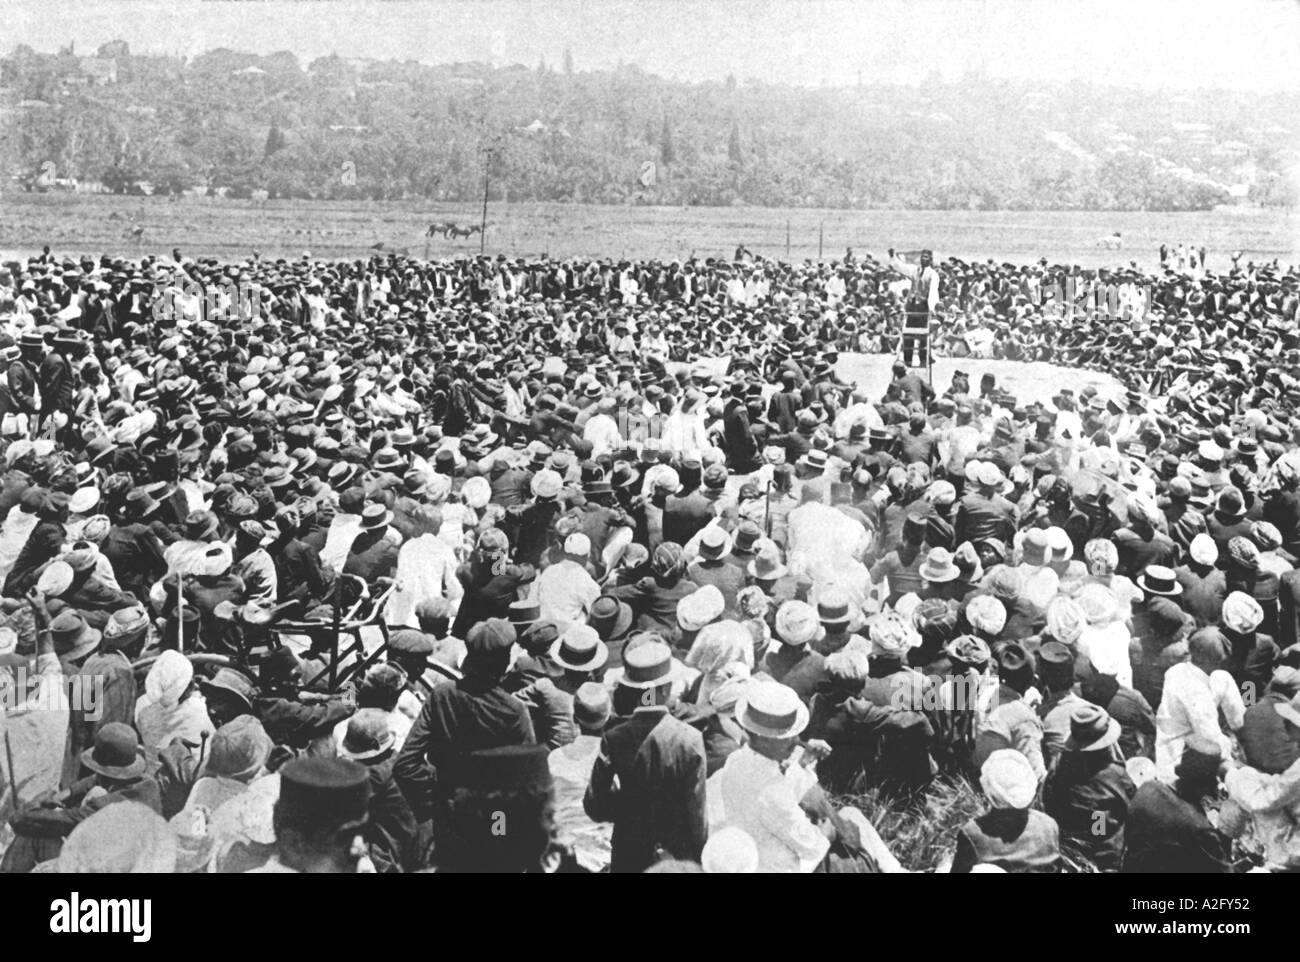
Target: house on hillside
(99, 71)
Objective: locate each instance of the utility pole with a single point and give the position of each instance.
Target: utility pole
(487, 176)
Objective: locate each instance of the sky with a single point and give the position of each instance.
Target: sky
(1182, 44)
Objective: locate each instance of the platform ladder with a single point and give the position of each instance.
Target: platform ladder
(918, 326)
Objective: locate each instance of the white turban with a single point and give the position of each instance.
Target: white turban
(730, 851)
(700, 607)
(1203, 550)
(892, 634)
(1241, 613)
(167, 680)
(1065, 620)
(985, 613)
(720, 644)
(124, 838)
(1008, 779)
(797, 623)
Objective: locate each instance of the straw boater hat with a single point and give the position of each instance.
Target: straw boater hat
(579, 648)
(1159, 580)
(771, 710)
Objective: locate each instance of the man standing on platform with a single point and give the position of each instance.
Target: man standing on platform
(922, 299)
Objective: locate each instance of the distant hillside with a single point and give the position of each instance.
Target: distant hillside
(235, 123)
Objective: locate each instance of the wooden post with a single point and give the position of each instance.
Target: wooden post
(487, 175)
(337, 627)
(821, 236)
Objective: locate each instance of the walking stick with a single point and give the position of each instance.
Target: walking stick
(767, 510)
(180, 616)
(9, 764)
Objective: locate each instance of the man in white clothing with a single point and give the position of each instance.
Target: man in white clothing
(571, 767)
(765, 786)
(565, 590)
(1196, 692)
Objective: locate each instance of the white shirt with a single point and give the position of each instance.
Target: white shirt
(752, 793)
(602, 431)
(1106, 646)
(565, 592)
(37, 733)
(426, 569)
(571, 767)
(1273, 801)
(1190, 703)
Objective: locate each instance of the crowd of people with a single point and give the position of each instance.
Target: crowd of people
(583, 566)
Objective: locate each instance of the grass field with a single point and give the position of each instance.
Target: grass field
(232, 229)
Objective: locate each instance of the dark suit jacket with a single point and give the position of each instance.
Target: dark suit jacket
(1166, 833)
(658, 805)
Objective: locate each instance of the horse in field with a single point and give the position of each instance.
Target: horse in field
(451, 230)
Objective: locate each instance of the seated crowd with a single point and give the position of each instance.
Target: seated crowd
(487, 566)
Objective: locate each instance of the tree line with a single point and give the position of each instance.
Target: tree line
(234, 123)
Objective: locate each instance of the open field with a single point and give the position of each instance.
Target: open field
(1032, 381)
(232, 229)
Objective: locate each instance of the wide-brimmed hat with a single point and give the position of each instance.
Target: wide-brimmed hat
(367, 734)
(610, 617)
(771, 710)
(521, 614)
(239, 749)
(647, 665)
(216, 560)
(375, 516)
(1091, 729)
(797, 623)
(701, 607)
(714, 542)
(1034, 548)
(546, 484)
(73, 638)
(1159, 580)
(767, 565)
(579, 648)
(83, 500)
(834, 608)
(231, 682)
(116, 753)
(939, 567)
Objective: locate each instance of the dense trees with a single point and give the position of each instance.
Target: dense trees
(391, 130)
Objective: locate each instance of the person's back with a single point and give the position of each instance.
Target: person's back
(1267, 742)
(1015, 840)
(980, 518)
(473, 714)
(685, 515)
(1088, 793)
(1166, 833)
(571, 767)
(658, 805)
